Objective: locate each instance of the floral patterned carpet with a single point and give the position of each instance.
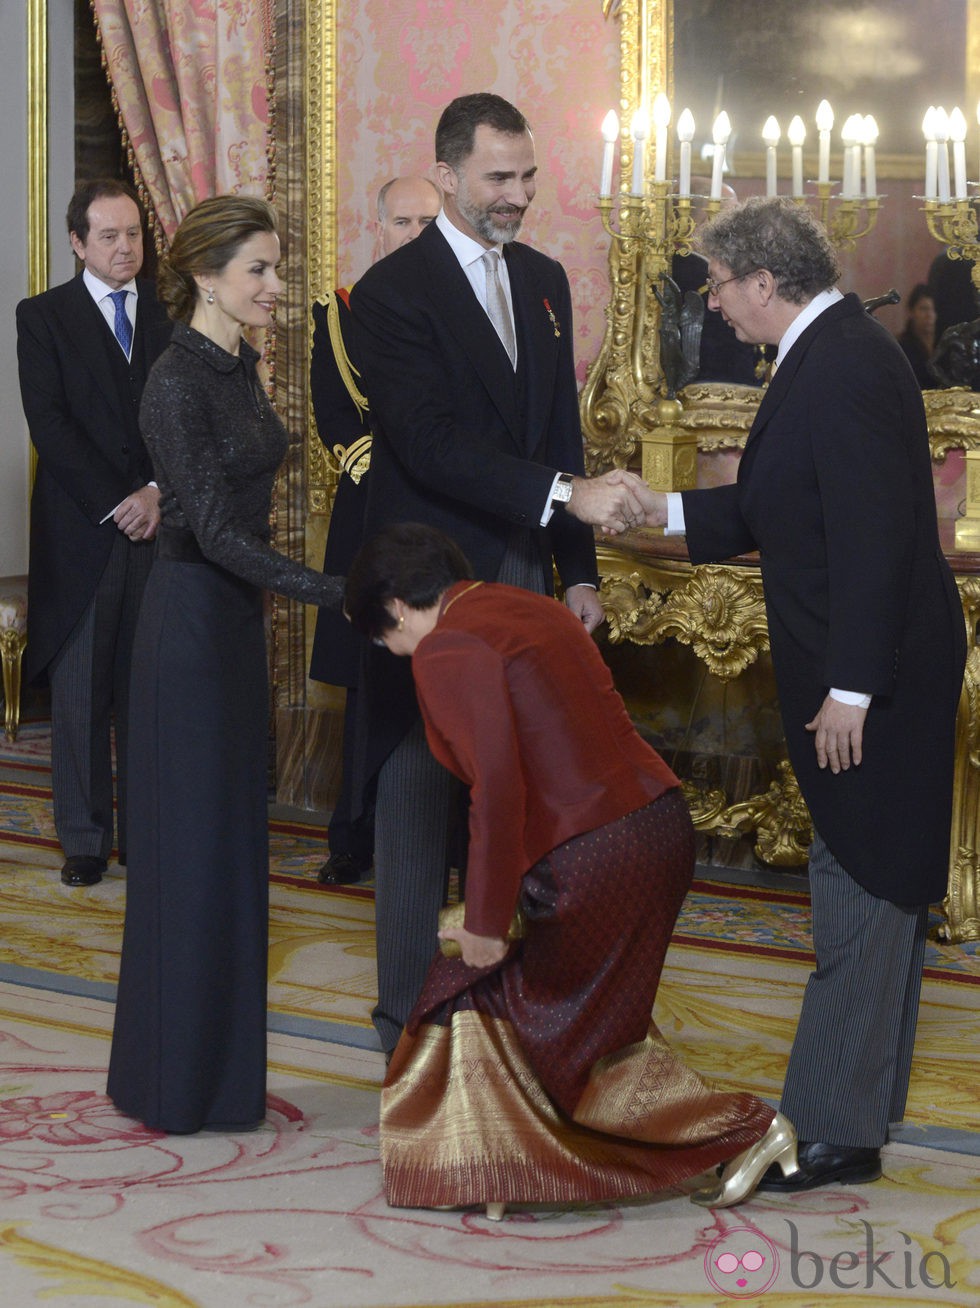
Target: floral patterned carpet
(96, 1210)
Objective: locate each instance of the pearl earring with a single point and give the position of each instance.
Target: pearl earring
(210, 295)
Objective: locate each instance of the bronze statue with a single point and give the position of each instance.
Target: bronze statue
(956, 361)
(681, 320)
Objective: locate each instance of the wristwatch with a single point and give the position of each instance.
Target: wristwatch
(562, 492)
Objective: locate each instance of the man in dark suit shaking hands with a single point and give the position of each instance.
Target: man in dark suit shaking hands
(835, 491)
(464, 338)
(84, 350)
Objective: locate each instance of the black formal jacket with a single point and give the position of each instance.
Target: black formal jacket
(81, 400)
(462, 441)
(835, 491)
(336, 654)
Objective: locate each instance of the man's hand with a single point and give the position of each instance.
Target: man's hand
(477, 951)
(653, 504)
(139, 514)
(586, 605)
(610, 501)
(838, 730)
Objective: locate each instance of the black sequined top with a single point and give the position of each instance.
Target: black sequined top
(216, 444)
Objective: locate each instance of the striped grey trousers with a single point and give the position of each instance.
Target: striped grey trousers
(848, 1071)
(412, 822)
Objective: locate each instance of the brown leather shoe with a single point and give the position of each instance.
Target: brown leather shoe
(82, 870)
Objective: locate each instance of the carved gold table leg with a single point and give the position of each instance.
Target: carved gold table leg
(960, 905)
(12, 644)
(720, 613)
(779, 819)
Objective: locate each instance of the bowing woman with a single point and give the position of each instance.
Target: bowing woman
(529, 1070)
(189, 1044)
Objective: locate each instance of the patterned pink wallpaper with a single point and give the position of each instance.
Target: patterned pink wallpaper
(401, 61)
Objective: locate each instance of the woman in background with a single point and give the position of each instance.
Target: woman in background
(189, 1044)
(531, 1072)
(918, 340)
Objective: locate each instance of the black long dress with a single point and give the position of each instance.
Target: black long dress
(189, 1043)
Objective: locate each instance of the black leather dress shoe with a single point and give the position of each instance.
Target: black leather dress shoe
(825, 1164)
(82, 870)
(341, 870)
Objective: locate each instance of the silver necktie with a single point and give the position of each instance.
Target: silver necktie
(497, 306)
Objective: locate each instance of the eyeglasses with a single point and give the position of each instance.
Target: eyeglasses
(713, 287)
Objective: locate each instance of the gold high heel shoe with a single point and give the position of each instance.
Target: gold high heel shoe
(743, 1173)
(495, 1212)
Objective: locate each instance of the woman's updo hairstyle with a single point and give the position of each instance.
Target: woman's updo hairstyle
(205, 242)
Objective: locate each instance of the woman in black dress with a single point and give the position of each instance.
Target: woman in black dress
(189, 1044)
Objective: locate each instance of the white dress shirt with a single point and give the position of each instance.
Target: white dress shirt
(102, 295)
(470, 254)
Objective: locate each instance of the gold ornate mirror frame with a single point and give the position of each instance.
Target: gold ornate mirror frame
(321, 222)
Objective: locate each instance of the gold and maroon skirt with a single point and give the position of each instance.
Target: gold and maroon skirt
(543, 1079)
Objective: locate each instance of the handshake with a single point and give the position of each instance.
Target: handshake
(616, 502)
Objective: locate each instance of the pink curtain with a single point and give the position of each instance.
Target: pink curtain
(190, 80)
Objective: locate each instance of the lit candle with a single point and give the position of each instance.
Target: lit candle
(638, 130)
(942, 154)
(770, 134)
(957, 134)
(850, 186)
(685, 134)
(610, 135)
(825, 125)
(932, 157)
(870, 173)
(661, 119)
(720, 132)
(797, 135)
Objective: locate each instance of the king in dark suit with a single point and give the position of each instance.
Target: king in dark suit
(84, 350)
(464, 338)
(835, 491)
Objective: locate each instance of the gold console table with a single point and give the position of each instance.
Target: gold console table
(652, 593)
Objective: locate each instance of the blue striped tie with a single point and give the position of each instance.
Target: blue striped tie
(122, 326)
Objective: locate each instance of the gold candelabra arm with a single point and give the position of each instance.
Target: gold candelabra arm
(849, 219)
(852, 219)
(954, 223)
(646, 232)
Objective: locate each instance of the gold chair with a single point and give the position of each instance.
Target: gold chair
(13, 638)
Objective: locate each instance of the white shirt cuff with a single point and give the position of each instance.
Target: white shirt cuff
(850, 697)
(549, 507)
(675, 514)
(112, 512)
